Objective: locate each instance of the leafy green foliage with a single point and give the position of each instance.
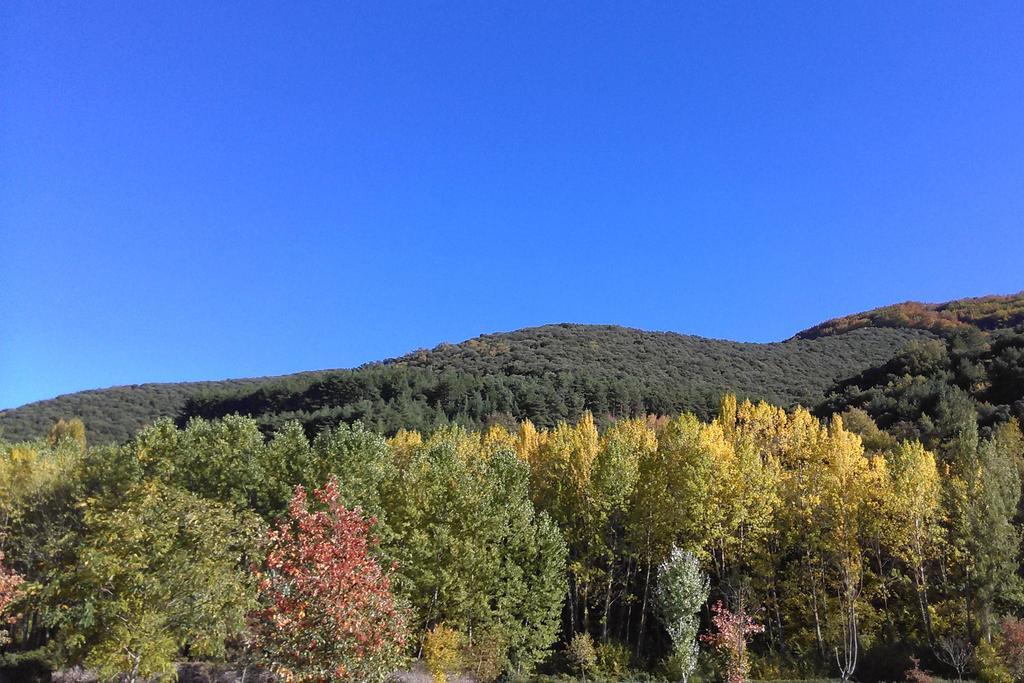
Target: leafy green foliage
(889, 528)
(471, 550)
(544, 374)
(111, 415)
(583, 653)
(155, 574)
(928, 389)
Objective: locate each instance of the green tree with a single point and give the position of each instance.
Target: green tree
(471, 549)
(363, 467)
(615, 474)
(158, 573)
(996, 540)
(671, 502)
(222, 460)
(41, 489)
(982, 494)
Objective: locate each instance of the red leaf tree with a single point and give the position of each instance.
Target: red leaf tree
(10, 590)
(329, 613)
(1011, 646)
(731, 638)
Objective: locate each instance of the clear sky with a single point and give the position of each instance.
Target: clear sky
(201, 190)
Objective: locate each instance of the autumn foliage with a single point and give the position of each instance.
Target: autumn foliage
(10, 590)
(329, 613)
(730, 637)
(441, 652)
(573, 548)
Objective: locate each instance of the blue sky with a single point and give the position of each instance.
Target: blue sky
(207, 190)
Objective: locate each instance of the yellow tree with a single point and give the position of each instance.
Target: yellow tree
(762, 430)
(799, 531)
(849, 482)
(403, 444)
(766, 426)
(560, 474)
(741, 443)
(528, 441)
(616, 471)
(495, 439)
(672, 504)
(71, 430)
(914, 511)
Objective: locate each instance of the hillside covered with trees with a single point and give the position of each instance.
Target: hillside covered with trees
(986, 313)
(565, 500)
(544, 374)
(928, 386)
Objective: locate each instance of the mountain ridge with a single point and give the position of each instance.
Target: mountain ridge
(987, 313)
(545, 373)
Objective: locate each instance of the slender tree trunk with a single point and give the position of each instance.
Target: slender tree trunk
(572, 604)
(778, 618)
(643, 609)
(608, 593)
(814, 605)
(921, 589)
(133, 675)
(585, 606)
(628, 621)
(881, 577)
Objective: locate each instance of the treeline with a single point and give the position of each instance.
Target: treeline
(388, 398)
(834, 548)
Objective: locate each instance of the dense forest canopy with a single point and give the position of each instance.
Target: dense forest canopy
(915, 394)
(543, 374)
(796, 546)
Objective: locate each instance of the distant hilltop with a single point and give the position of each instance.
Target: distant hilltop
(986, 313)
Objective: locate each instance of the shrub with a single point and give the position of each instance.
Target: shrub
(614, 660)
(487, 657)
(583, 654)
(732, 631)
(990, 666)
(1011, 646)
(10, 591)
(441, 652)
(915, 674)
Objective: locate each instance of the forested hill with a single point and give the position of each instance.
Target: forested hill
(544, 374)
(986, 313)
